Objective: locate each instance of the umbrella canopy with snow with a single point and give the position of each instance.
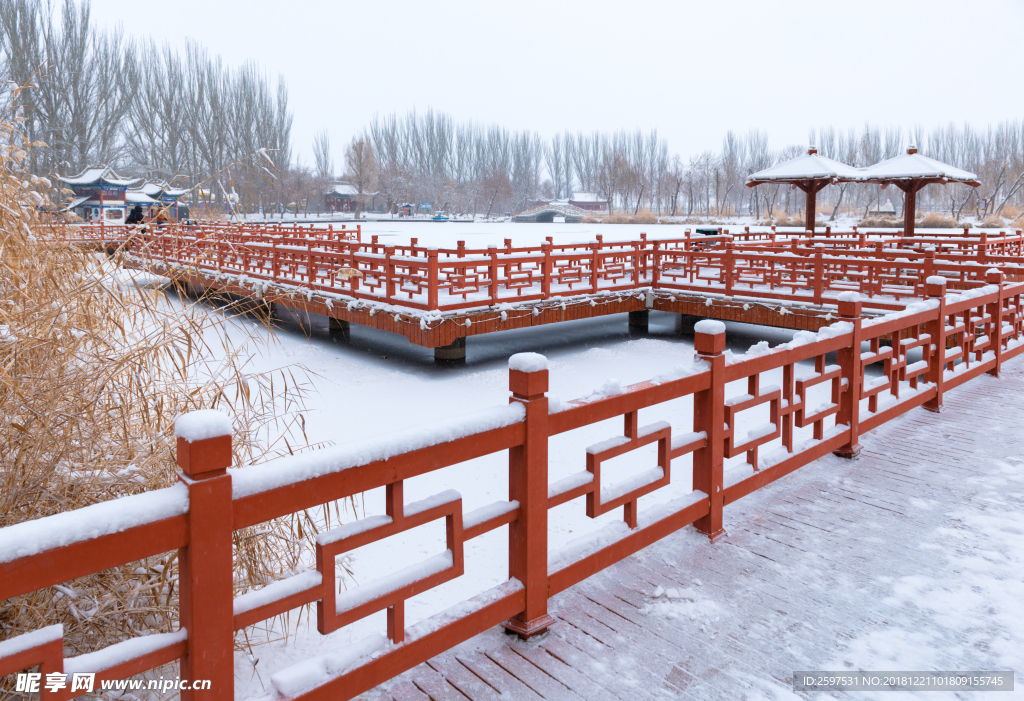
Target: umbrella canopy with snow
(910, 172)
(810, 173)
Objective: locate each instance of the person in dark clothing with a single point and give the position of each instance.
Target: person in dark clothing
(135, 216)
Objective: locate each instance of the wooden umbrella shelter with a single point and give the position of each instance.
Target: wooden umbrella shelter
(910, 172)
(810, 173)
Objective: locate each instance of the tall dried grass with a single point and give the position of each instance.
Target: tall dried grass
(935, 220)
(616, 218)
(95, 365)
(993, 222)
(881, 222)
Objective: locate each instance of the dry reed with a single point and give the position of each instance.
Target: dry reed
(95, 365)
(935, 220)
(881, 222)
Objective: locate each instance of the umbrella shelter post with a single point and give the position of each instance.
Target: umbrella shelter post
(812, 188)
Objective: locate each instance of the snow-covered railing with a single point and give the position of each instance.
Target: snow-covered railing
(102, 232)
(885, 366)
(438, 280)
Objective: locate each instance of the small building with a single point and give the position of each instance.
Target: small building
(156, 196)
(589, 201)
(343, 197)
(99, 194)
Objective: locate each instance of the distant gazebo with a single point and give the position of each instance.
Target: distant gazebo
(910, 172)
(810, 173)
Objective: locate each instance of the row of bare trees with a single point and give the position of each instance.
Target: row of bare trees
(95, 96)
(468, 168)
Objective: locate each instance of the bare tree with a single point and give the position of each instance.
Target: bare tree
(361, 168)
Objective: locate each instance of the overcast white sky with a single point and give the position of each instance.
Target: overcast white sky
(693, 70)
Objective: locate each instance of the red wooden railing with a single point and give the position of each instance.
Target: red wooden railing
(100, 232)
(437, 279)
(877, 377)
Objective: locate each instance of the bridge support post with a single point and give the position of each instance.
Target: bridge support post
(708, 410)
(454, 351)
(852, 373)
(638, 321)
(338, 327)
(685, 323)
(528, 485)
(937, 330)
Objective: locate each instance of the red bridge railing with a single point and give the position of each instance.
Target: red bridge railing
(886, 367)
(450, 280)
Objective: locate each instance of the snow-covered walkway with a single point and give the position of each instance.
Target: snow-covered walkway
(909, 558)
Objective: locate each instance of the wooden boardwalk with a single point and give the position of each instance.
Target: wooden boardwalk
(908, 558)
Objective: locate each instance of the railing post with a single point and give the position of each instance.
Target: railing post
(205, 566)
(995, 310)
(730, 265)
(528, 484)
(929, 265)
(546, 272)
(389, 272)
(656, 265)
(492, 251)
(852, 373)
(819, 272)
(594, 252)
(709, 417)
(432, 279)
(935, 288)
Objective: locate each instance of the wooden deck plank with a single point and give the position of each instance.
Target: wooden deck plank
(804, 574)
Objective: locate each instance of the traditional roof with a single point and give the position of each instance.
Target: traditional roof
(77, 201)
(586, 197)
(914, 166)
(139, 197)
(160, 192)
(811, 166)
(345, 190)
(103, 175)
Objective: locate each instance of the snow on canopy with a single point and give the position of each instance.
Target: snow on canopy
(103, 175)
(156, 192)
(912, 166)
(137, 197)
(811, 166)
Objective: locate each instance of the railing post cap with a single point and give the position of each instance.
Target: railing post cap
(935, 286)
(203, 443)
(709, 337)
(850, 305)
(528, 384)
(994, 276)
